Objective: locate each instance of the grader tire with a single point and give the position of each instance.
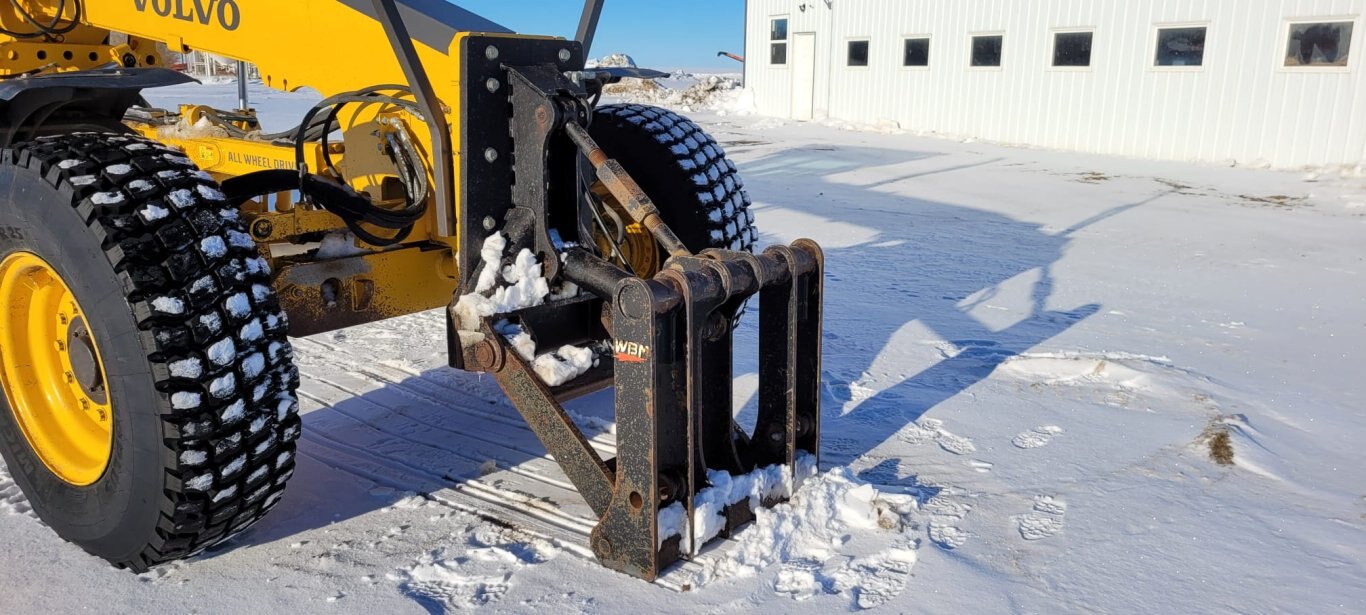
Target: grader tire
(191, 349)
(697, 189)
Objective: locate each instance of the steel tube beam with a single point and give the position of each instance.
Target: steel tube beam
(427, 101)
(243, 103)
(588, 23)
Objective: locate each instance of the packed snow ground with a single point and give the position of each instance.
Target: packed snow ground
(1027, 356)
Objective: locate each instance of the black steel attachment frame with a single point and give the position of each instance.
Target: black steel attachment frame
(524, 131)
(515, 100)
(672, 342)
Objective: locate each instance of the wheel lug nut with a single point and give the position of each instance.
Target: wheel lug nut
(70, 377)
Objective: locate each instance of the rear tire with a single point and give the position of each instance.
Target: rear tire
(697, 189)
(199, 372)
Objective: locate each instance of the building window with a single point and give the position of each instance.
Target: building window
(858, 53)
(917, 52)
(1319, 43)
(1072, 49)
(986, 50)
(1180, 46)
(777, 34)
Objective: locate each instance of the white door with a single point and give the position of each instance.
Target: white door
(803, 75)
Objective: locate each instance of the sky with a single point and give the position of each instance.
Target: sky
(662, 34)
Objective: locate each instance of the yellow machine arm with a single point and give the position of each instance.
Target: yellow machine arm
(334, 47)
(286, 40)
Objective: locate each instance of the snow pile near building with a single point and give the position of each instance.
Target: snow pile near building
(681, 91)
(685, 92)
(836, 535)
(616, 60)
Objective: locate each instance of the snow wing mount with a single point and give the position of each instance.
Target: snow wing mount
(672, 341)
(670, 335)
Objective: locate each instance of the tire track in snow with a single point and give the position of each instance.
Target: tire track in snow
(408, 387)
(479, 461)
(530, 513)
(572, 538)
(524, 504)
(406, 415)
(373, 450)
(487, 441)
(445, 494)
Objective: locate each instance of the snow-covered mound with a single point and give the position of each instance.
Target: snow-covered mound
(683, 91)
(616, 60)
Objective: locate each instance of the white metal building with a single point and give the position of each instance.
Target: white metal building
(1260, 82)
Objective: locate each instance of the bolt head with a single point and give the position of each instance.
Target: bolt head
(603, 544)
(489, 223)
(492, 84)
(491, 52)
(633, 301)
(486, 356)
(565, 55)
(491, 155)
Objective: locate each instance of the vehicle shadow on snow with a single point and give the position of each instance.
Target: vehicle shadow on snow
(898, 266)
(376, 438)
(893, 261)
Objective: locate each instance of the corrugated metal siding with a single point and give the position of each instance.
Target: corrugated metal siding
(1241, 106)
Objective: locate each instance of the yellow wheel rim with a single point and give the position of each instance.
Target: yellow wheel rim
(638, 246)
(52, 373)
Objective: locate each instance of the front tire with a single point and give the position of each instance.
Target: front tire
(685, 172)
(192, 352)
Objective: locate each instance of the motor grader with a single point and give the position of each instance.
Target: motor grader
(154, 263)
